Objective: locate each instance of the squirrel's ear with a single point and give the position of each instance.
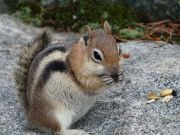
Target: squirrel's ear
(107, 27)
(86, 34)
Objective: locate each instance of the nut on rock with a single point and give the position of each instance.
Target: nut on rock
(152, 95)
(150, 101)
(167, 92)
(167, 98)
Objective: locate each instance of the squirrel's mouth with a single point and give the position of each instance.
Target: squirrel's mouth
(115, 77)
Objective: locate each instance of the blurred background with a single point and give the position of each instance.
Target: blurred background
(157, 20)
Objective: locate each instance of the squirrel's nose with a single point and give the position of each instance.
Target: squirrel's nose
(115, 77)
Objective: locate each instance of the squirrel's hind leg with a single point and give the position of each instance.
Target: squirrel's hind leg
(65, 118)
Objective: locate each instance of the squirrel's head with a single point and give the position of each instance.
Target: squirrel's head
(102, 55)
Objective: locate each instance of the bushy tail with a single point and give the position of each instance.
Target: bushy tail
(24, 61)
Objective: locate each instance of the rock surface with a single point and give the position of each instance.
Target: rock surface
(156, 10)
(123, 109)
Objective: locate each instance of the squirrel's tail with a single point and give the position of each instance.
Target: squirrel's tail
(24, 61)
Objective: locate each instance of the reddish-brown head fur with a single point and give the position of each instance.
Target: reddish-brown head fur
(96, 54)
(107, 45)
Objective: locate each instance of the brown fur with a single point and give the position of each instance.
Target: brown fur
(107, 44)
(41, 106)
(78, 53)
(24, 61)
(76, 62)
(40, 113)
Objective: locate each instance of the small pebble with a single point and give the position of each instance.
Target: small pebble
(150, 101)
(166, 92)
(167, 98)
(152, 95)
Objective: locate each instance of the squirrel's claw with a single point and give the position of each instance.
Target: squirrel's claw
(121, 76)
(108, 80)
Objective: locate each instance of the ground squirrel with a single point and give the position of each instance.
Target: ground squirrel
(58, 86)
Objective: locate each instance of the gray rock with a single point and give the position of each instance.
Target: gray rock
(156, 10)
(3, 7)
(123, 109)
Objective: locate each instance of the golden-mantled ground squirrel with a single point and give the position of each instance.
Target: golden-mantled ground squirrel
(58, 86)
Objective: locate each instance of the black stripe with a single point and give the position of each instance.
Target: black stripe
(54, 66)
(53, 48)
(45, 53)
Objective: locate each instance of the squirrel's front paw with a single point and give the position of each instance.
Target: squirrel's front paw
(108, 80)
(121, 76)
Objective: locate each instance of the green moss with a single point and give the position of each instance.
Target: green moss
(74, 14)
(29, 13)
(131, 33)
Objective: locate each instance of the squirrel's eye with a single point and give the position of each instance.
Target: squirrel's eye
(96, 55)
